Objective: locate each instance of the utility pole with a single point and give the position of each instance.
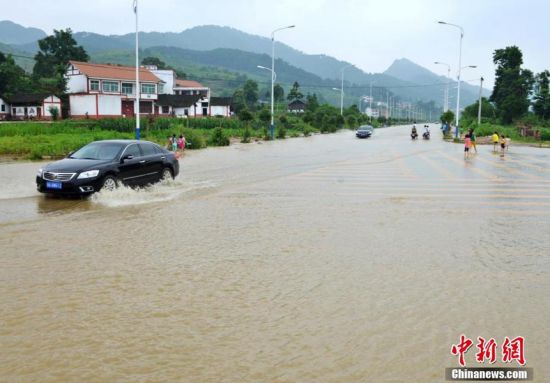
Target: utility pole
(479, 107)
(138, 96)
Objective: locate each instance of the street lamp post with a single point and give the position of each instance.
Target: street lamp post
(137, 72)
(479, 107)
(370, 100)
(342, 91)
(459, 69)
(446, 95)
(272, 126)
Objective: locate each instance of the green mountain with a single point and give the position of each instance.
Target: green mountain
(12, 33)
(409, 71)
(221, 57)
(22, 58)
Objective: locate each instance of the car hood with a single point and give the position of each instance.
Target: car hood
(73, 165)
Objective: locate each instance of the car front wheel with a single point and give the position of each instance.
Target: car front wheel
(167, 174)
(110, 183)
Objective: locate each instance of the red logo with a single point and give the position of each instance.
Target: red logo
(512, 349)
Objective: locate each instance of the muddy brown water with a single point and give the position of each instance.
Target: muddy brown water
(319, 259)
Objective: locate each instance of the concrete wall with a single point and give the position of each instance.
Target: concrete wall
(51, 102)
(4, 113)
(95, 105)
(220, 111)
(168, 76)
(77, 84)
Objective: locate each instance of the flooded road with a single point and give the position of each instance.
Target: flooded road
(319, 259)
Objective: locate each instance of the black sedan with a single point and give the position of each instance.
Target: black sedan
(364, 131)
(106, 164)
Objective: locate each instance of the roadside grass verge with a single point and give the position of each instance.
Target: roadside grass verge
(36, 140)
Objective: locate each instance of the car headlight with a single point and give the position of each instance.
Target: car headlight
(88, 174)
(39, 172)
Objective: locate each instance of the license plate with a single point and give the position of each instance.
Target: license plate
(53, 185)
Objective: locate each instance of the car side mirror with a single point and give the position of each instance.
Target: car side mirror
(126, 157)
(70, 154)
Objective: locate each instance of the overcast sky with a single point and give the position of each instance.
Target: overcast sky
(369, 34)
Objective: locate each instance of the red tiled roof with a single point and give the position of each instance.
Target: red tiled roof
(188, 84)
(114, 72)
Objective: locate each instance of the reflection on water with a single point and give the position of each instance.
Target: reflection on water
(325, 259)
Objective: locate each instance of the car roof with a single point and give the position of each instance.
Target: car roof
(123, 141)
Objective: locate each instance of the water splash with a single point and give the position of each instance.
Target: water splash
(165, 190)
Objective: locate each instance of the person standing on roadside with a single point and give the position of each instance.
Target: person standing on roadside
(467, 145)
(174, 143)
(508, 140)
(495, 139)
(502, 143)
(473, 140)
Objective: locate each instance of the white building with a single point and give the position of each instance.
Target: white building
(190, 87)
(220, 106)
(102, 90)
(4, 109)
(32, 106)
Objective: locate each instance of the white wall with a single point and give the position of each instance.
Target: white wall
(82, 104)
(107, 105)
(168, 76)
(6, 107)
(52, 101)
(77, 84)
(219, 111)
(110, 105)
(180, 112)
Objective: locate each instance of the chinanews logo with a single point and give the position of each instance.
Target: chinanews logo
(511, 351)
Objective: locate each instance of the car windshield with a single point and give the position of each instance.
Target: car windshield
(98, 151)
(365, 127)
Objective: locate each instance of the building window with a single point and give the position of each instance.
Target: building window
(127, 88)
(165, 109)
(110, 86)
(148, 88)
(94, 85)
(161, 88)
(186, 112)
(3, 107)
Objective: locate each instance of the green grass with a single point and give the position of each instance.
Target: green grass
(34, 140)
(487, 129)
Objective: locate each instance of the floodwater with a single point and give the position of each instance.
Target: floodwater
(318, 259)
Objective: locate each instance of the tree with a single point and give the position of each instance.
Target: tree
(448, 117)
(512, 84)
(295, 93)
(487, 110)
(250, 93)
(52, 59)
(151, 60)
(541, 104)
(312, 103)
(238, 102)
(13, 78)
(264, 115)
(279, 93)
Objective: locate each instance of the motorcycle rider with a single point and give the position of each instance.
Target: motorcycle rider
(426, 131)
(414, 133)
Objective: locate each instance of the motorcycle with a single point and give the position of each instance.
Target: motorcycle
(426, 135)
(414, 136)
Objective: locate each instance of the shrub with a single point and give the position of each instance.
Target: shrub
(54, 111)
(246, 135)
(545, 134)
(193, 139)
(218, 138)
(281, 132)
(267, 136)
